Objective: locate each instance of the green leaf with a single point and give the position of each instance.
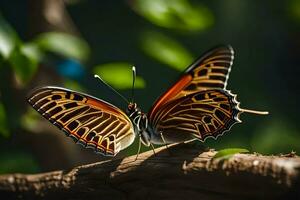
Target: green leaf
(32, 51)
(175, 14)
(119, 75)
(24, 60)
(64, 44)
(228, 153)
(22, 57)
(3, 122)
(8, 38)
(166, 50)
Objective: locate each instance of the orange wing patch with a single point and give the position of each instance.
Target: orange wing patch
(173, 91)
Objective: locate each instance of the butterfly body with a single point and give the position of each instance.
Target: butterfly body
(197, 106)
(140, 123)
(147, 132)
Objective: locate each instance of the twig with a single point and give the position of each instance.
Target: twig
(190, 173)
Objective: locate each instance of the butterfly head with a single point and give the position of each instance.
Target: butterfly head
(131, 108)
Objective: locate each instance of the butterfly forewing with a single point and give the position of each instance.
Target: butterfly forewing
(89, 121)
(210, 71)
(202, 114)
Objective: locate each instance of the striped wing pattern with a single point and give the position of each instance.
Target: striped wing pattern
(91, 122)
(211, 71)
(202, 114)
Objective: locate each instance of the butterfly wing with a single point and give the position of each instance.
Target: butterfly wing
(91, 122)
(210, 71)
(203, 114)
(198, 105)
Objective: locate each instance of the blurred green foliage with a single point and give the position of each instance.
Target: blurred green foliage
(8, 38)
(11, 162)
(3, 123)
(166, 50)
(176, 14)
(63, 44)
(24, 62)
(294, 9)
(19, 55)
(29, 120)
(276, 137)
(119, 75)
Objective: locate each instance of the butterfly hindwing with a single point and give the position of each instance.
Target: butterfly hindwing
(203, 114)
(89, 121)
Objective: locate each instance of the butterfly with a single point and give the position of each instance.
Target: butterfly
(197, 106)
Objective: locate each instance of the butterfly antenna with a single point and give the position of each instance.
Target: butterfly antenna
(133, 82)
(254, 111)
(115, 91)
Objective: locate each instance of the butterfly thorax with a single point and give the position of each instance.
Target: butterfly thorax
(140, 122)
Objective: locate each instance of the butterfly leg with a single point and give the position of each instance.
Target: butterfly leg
(139, 149)
(153, 149)
(164, 141)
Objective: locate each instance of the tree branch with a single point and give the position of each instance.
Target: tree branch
(185, 171)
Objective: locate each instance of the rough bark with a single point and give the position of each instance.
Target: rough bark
(184, 171)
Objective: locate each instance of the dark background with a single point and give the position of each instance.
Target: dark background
(63, 43)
